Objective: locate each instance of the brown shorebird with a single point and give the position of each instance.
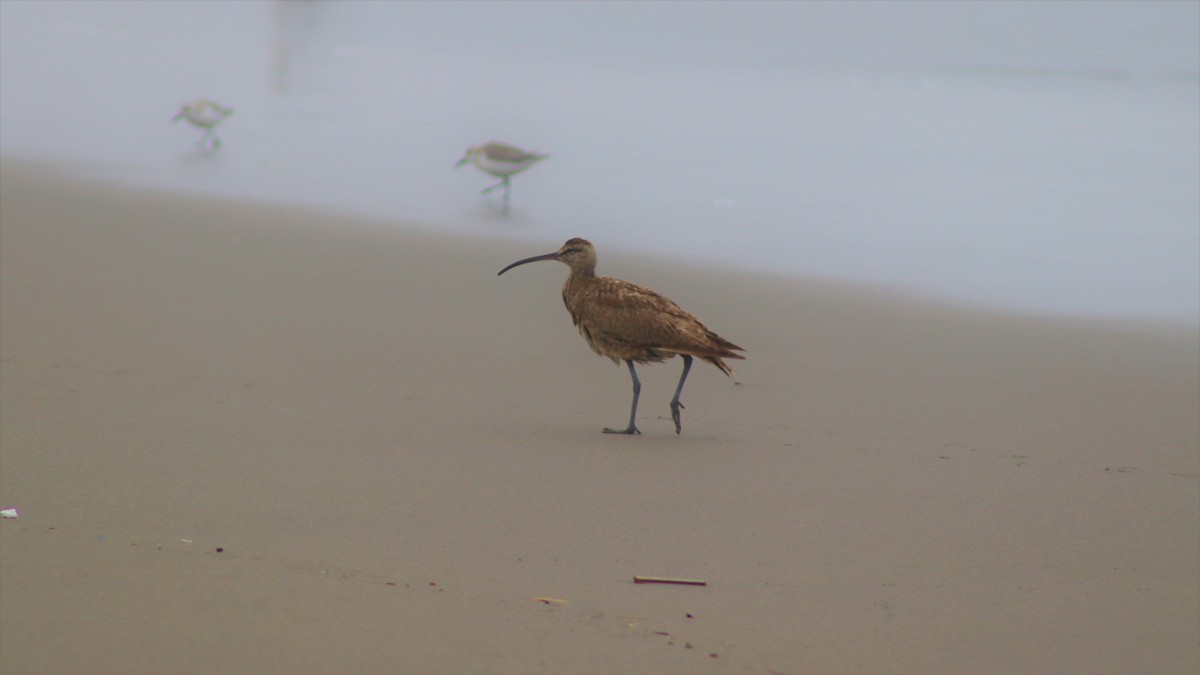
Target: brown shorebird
(501, 161)
(205, 114)
(632, 323)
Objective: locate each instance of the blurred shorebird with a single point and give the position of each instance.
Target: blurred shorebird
(205, 114)
(500, 160)
(632, 323)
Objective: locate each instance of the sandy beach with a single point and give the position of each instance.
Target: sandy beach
(247, 438)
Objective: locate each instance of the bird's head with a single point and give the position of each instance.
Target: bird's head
(578, 254)
(467, 156)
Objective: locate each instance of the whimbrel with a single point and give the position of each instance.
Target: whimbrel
(632, 323)
(205, 114)
(501, 161)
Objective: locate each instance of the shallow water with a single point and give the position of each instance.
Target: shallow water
(1042, 158)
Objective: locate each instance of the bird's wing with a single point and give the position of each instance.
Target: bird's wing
(638, 316)
(507, 153)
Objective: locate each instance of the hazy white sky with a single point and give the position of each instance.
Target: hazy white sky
(1076, 34)
(1131, 35)
(1105, 35)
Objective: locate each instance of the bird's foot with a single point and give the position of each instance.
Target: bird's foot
(676, 406)
(631, 430)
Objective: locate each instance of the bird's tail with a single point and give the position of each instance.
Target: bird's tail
(719, 349)
(719, 363)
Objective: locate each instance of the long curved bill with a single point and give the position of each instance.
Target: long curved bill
(548, 256)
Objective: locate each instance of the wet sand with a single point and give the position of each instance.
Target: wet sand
(248, 438)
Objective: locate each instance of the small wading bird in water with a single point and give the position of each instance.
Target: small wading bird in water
(205, 114)
(501, 161)
(632, 323)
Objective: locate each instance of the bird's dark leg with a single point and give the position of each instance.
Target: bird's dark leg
(637, 390)
(501, 184)
(676, 406)
(506, 194)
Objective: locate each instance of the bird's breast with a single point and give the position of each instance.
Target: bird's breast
(500, 167)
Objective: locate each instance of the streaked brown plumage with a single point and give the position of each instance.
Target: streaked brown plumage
(631, 323)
